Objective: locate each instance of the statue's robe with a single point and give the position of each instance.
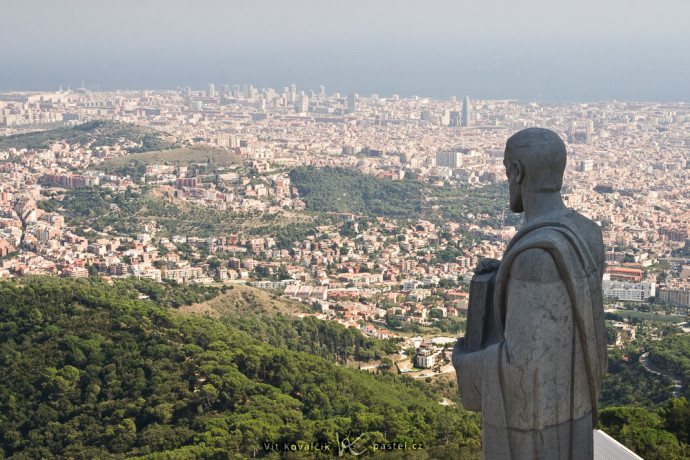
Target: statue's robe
(538, 387)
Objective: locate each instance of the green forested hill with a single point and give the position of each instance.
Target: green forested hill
(327, 339)
(88, 372)
(96, 133)
(343, 190)
(90, 207)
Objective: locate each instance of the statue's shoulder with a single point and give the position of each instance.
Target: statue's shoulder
(568, 238)
(585, 225)
(532, 260)
(536, 265)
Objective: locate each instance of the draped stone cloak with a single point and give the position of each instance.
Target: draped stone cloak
(538, 387)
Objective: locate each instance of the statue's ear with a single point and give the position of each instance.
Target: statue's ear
(518, 171)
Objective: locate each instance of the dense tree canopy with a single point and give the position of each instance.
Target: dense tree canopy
(87, 372)
(629, 384)
(346, 191)
(327, 339)
(672, 354)
(643, 432)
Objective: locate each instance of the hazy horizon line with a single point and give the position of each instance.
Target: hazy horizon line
(96, 88)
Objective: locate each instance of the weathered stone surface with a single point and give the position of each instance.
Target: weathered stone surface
(534, 367)
(480, 313)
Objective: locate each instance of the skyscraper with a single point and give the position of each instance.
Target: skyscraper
(210, 90)
(466, 111)
(455, 119)
(589, 130)
(302, 104)
(449, 159)
(572, 129)
(352, 102)
(586, 165)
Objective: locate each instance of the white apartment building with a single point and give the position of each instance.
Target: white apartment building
(428, 357)
(633, 292)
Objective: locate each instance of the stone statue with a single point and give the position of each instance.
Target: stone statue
(534, 355)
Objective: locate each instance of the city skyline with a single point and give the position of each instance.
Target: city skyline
(496, 50)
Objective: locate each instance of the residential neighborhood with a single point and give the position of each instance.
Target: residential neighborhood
(627, 170)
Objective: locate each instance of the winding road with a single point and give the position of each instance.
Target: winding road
(677, 384)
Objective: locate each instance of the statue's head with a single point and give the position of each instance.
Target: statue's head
(535, 161)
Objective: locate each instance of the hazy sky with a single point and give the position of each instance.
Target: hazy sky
(547, 50)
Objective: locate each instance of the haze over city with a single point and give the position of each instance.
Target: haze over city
(533, 50)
